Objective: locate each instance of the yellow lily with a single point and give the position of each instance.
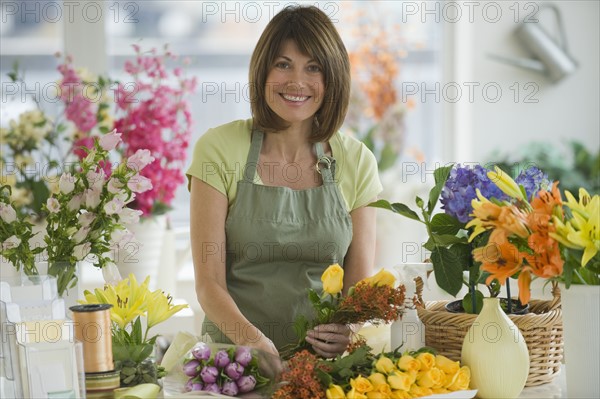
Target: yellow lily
(583, 230)
(506, 183)
(160, 308)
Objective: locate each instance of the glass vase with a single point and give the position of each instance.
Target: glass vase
(136, 364)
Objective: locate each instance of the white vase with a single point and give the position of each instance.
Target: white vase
(581, 324)
(496, 352)
(144, 259)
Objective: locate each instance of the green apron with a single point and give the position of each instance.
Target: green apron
(279, 242)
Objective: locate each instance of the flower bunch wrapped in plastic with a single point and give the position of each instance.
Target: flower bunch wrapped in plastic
(362, 374)
(373, 299)
(228, 370)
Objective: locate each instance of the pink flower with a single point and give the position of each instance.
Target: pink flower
(139, 184)
(86, 142)
(81, 234)
(95, 179)
(92, 198)
(85, 219)
(75, 202)
(8, 213)
(140, 160)
(130, 216)
(82, 250)
(121, 237)
(110, 140)
(113, 206)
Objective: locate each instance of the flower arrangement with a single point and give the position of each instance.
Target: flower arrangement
(450, 232)
(373, 299)
(362, 374)
(230, 370)
(151, 111)
(132, 346)
(85, 215)
(375, 115)
(15, 235)
(527, 233)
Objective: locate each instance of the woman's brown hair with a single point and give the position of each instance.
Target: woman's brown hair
(314, 34)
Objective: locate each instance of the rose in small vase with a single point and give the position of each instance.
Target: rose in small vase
(131, 343)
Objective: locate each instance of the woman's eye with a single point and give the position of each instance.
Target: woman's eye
(314, 68)
(282, 65)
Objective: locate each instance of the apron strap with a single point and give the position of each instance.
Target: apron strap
(253, 154)
(325, 164)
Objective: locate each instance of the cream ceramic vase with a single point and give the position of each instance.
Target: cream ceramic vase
(496, 352)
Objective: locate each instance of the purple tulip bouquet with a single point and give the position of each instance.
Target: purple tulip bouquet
(223, 369)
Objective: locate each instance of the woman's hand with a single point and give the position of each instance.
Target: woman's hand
(329, 340)
(266, 345)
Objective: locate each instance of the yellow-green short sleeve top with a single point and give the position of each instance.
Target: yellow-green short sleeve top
(219, 159)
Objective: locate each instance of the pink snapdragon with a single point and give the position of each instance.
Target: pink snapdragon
(110, 140)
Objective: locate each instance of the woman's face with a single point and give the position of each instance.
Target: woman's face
(295, 86)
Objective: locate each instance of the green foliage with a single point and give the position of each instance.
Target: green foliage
(577, 167)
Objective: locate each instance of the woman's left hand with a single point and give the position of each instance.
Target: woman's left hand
(329, 340)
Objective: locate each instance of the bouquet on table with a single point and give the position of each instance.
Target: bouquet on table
(132, 347)
(362, 374)
(373, 299)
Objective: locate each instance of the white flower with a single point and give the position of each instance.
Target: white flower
(111, 274)
(139, 184)
(85, 219)
(75, 202)
(66, 184)
(11, 242)
(81, 234)
(121, 237)
(110, 140)
(124, 197)
(113, 206)
(92, 198)
(114, 185)
(53, 205)
(8, 213)
(82, 250)
(129, 216)
(95, 179)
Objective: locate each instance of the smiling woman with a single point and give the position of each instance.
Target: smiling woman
(296, 200)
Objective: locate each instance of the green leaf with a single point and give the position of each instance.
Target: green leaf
(397, 207)
(444, 240)
(468, 303)
(443, 223)
(447, 269)
(419, 201)
(441, 175)
(136, 331)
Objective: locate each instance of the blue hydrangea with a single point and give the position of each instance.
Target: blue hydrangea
(460, 189)
(533, 180)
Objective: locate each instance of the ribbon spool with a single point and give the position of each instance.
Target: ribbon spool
(92, 328)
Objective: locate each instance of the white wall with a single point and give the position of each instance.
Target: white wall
(566, 110)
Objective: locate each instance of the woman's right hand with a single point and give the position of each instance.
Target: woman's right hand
(266, 345)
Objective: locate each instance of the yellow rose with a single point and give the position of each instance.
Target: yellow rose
(408, 363)
(377, 379)
(335, 392)
(413, 375)
(446, 365)
(361, 384)
(399, 380)
(383, 277)
(417, 391)
(427, 360)
(354, 394)
(397, 394)
(333, 279)
(384, 365)
(462, 379)
(433, 378)
(382, 391)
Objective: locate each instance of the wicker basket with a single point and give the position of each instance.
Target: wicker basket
(542, 329)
